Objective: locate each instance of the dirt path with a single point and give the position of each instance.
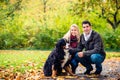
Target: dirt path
(111, 71)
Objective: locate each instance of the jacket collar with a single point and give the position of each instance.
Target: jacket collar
(86, 37)
(91, 36)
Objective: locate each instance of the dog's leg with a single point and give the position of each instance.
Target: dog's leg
(68, 69)
(54, 72)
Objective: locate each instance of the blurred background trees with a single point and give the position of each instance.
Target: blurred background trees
(38, 24)
(107, 9)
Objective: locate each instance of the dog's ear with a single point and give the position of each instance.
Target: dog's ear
(65, 40)
(60, 43)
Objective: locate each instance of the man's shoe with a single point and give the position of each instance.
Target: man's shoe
(87, 72)
(97, 72)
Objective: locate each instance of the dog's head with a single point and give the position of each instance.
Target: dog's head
(61, 44)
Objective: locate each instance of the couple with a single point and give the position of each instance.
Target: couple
(86, 48)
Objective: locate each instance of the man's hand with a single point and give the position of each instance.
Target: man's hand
(80, 54)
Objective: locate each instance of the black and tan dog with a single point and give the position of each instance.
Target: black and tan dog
(57, 59)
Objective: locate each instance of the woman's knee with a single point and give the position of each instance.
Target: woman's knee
(77, 57)
(74, 62)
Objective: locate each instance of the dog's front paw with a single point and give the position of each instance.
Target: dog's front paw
(54, 73)
(54, 76)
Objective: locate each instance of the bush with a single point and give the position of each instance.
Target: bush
(112, 40)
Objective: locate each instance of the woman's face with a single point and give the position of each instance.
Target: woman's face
(74, 31)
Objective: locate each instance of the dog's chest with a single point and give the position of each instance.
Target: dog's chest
(66, 57)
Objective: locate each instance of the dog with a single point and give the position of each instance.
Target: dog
(57, 60)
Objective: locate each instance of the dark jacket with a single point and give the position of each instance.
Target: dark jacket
(93, 45)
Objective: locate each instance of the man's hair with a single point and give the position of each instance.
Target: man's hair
(86, 22)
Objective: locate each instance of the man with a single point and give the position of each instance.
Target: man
(90, 50)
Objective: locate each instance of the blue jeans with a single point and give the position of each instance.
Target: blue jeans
(86, 61)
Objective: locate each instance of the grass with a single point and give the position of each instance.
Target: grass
(22, 60)
(112, 55)
(26, 60)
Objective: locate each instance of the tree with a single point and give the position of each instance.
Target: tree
(107, 9)
(8, 8)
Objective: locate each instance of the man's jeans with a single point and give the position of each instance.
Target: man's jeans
(86, 61)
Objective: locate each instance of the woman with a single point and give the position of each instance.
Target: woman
(73, 38)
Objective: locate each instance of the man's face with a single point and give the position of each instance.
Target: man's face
(86, 28)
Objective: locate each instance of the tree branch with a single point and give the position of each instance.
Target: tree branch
(15, 8)
(117, 4)
(118, 23)
(115, 17)
(110, 22)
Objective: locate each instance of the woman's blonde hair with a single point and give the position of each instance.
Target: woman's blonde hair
(68, 34)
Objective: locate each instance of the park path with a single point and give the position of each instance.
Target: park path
(111, 71)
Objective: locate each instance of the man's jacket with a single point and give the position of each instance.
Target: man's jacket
(92, 46)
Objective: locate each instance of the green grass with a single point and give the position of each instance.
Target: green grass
(26, 60)
(22, 60)
(112, 55)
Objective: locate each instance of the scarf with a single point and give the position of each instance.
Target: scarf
(73, 41)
